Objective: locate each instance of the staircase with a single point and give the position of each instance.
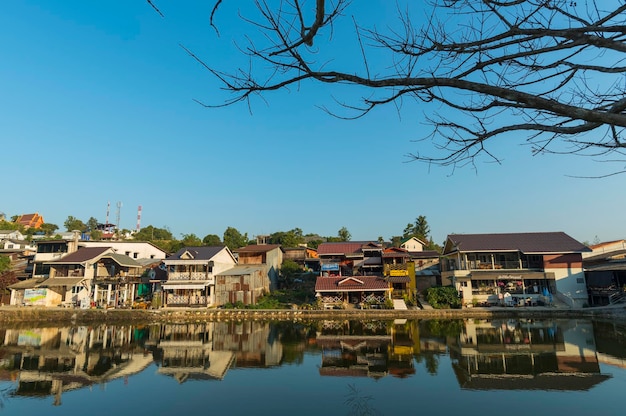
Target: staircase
(617, 297)
(399, 304)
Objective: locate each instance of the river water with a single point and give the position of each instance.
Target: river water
(468, 367)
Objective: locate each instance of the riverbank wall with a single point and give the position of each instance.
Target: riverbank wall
(49, 316)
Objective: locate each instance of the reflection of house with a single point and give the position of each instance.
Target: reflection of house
(531, 267)
(350, 258)
(252, 342)
(191, 275)
(187, 353)
(242, 283)
(526, 355)
(353, 290)
(269, 255)
(368, 348)
(605, 272)
(51, 361)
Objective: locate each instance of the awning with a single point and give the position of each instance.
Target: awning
(61, 281)
(185, 285)
(398, 279)
(26, 284)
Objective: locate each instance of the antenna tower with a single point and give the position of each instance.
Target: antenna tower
(117, 224)
(108, 209)
(138, 218)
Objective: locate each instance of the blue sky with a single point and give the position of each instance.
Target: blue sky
(96, 106)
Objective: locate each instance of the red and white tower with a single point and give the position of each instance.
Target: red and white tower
(138, 218)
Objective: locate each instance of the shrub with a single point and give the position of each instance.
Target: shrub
(443, 297)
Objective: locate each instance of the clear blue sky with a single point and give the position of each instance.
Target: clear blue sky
(96, 105)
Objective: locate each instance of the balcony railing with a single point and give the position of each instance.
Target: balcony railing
(189, 276)
(396, 270)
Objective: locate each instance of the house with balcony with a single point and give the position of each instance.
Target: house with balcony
(89, 275)
(351, 258)
(191, 275)
(515, 269)
(399, 272)
(605, 273)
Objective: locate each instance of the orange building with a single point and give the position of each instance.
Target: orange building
(30, 220)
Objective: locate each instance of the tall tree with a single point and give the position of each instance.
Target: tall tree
(421, 229)
(233, 239)
(211, 240)
(73, 223)
(291, 238)
(191, 240)
(92, 224)
(49, 228)
(152, 233)
(548, 72)
(344, 234)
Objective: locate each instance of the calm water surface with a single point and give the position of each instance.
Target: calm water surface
(468, 367)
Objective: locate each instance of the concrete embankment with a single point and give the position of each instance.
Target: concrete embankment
(52, 316)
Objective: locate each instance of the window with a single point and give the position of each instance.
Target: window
(135, 255)
(76, 289)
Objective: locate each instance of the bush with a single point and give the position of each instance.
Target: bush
(443, 297)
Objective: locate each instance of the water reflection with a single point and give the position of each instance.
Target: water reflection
(543, 355)
(484, 354)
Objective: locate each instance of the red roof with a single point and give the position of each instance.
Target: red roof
(346, 247)
(350, 284)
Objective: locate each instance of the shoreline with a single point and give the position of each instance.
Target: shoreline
(48, 316)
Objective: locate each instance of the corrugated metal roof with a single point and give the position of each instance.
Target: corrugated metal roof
(350, 284)
(82, 255)
(257, 248)
(198, 253)
(540, 242)
(242, 269)
(346, 247)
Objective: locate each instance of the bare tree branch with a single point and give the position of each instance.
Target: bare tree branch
(548, 72)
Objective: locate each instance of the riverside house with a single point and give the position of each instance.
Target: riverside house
(515, 269)
(191, 275)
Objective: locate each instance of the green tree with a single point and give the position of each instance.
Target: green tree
(92, 224)
(11, 225)
(73, 223)
(543, 71)
(421, 229)
(191, 240)
(233, 239)
(291, 238)
(49, 228)
(151, 233)
(344, 234)
(211, 240)
(5, 264)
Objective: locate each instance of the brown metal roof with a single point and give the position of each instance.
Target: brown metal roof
(61, 281)
(82, 255)
(257, 248)
(541, 242)
(350, 284)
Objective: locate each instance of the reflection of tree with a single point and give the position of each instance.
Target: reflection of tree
(444, 327)
(431, 362)
(358, 403)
